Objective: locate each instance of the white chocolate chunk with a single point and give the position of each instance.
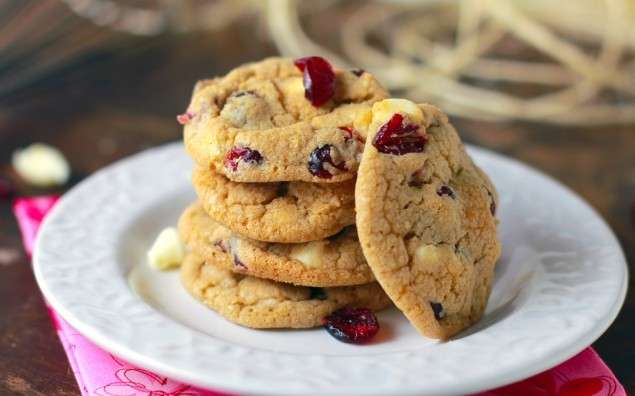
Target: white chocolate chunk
(293, 87)
(167, 251)
(41, 165)
(216, 151)
(429, 257)
(310, 254)
(362, 121)
(426, 254)
(385, 109)
(434, 258)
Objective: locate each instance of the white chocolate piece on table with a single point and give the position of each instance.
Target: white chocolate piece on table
(41, 165)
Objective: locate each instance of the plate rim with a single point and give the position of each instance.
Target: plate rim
(137, 358)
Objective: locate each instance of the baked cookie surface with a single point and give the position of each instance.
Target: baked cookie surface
(336, 261)
(277, 212)
(426, 218)
(256, 125)
(262, 303)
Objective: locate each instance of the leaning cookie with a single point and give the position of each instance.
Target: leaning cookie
(261, 303)
(259, 123)
(426, 218)
(277, 212)
(335, 261)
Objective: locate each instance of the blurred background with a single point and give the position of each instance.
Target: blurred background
(549, 83)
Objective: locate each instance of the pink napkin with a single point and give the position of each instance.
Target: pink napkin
(100, 373)
(97, 371)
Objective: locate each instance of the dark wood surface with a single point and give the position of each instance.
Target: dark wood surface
(116, 103)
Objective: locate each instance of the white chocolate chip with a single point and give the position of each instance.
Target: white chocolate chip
(362, 120)
(167, 251)
(216, 151)
(215, 146)
(309, 254)
(426, 253)
(41, 165)
(429, 257)
(435, 258)
(295, 87)
(385, 109)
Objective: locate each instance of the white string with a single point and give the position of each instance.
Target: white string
(424, 68)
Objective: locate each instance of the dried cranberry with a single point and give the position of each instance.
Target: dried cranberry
(318, 79)
(351, 133)
(239, 265)
(445, 190)
(238, 94)
(358, 72)
(417, 179)
(352, 325)
(7, 189)
(344, 231)
(492, 205)
(221, 245)
(321, 156)
(437, 308)
(283, 189)
(399, 138)
(244, 154)
(317, 293)
(185, 117)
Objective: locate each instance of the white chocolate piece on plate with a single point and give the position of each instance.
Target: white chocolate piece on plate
(167, 251)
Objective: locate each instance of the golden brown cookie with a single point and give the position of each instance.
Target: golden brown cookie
(262, 303)
(277, 212)
(256, 124)
(425, 218)
(336, 261)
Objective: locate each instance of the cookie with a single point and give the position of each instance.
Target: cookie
(256, 124)
(277, 212)
(262, 303)
(426, 218)
(336, 261)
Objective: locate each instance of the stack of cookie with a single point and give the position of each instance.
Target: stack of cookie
(272, 242)
(286, 153)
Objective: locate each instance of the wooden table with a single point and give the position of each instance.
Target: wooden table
(117, 103)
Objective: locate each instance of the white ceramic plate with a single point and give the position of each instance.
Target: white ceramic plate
(559, 284)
